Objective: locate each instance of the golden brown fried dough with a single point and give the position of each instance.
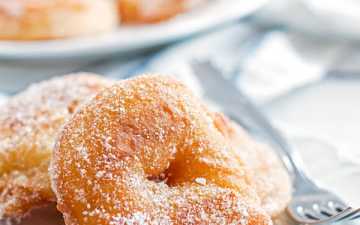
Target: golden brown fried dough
(146, 151)
(29, 124)
(144, 11)
(271, 180)
(50, 19)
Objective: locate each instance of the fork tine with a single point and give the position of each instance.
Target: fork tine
(357, 216)
(337, 218)
(353, 215)
(340, 216)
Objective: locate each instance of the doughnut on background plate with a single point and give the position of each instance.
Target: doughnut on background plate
(51, 19)
(22, 62)
(144, 11)
(131, 38)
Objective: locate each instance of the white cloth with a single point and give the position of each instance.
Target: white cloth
(272, 62)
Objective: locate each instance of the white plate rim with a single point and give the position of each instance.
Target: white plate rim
(126, 39)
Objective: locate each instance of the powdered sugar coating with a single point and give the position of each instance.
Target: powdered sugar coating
(144, 11)
(270, 179)
(151, 145)
(29, 123)
(50, 19)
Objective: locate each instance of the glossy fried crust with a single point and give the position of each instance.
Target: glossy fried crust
(271, 180)
(144, 11)
(146, 151)
(50, 19)
(29, 123)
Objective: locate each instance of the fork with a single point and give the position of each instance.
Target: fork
(310, 203)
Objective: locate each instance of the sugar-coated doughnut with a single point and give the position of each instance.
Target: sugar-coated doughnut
(29, 123)
(50, 19)
(271, 180)
(144, 11)
(146, 151)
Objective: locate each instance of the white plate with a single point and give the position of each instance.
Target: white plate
(132, 38)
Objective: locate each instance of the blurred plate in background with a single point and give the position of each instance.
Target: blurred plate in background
(325, 19)
(131, 38)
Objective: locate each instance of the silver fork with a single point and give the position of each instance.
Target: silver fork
(310, 203)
